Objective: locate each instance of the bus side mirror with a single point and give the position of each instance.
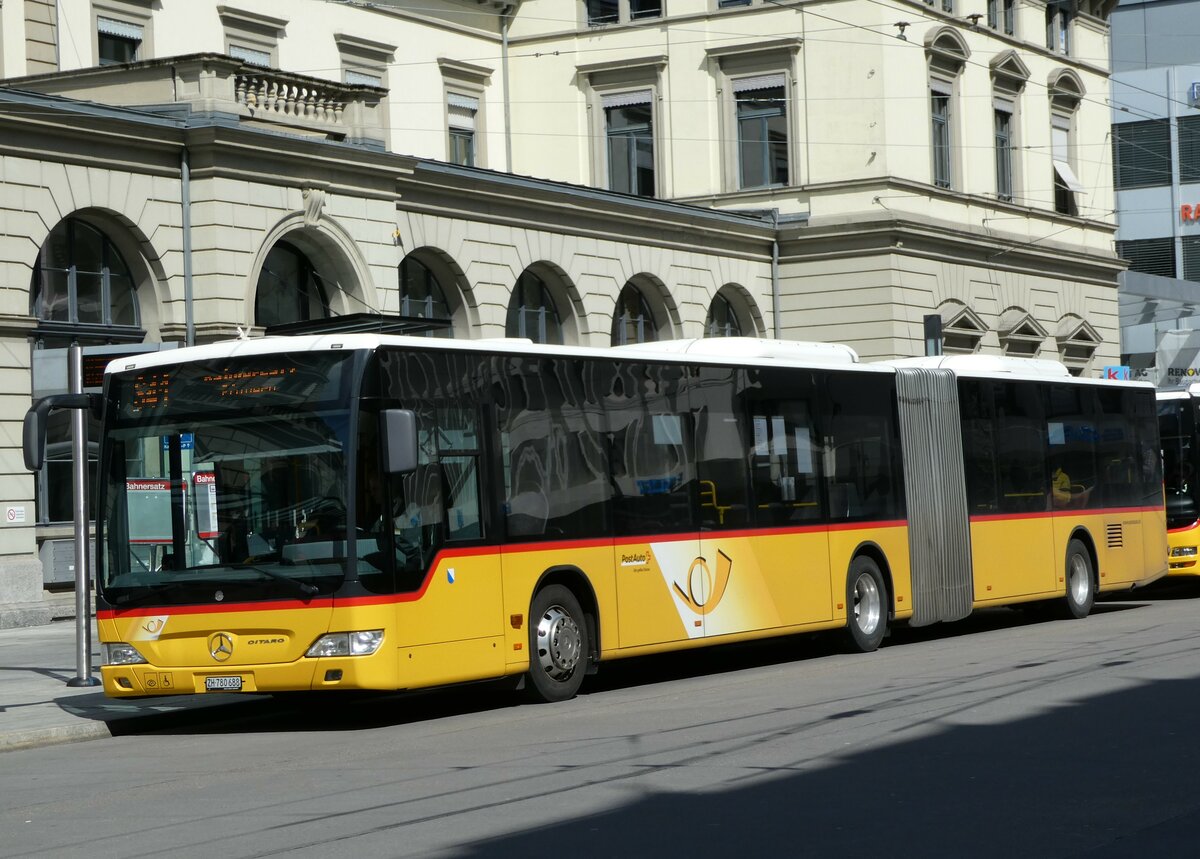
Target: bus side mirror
(33, 432)
(399, 441)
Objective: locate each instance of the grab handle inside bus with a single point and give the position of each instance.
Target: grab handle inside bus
(34, 430)
(399, 441)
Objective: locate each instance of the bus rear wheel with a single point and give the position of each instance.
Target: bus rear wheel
(1081, 586)
(866, 605)
(558, 645)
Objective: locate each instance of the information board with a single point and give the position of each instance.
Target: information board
(148, 501)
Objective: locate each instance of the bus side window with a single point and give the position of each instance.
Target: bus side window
(555, 470)
(1021, 448)
(977, 411)
(651, 459)
(862, 448)
(721, 462)
(784, 462)
(1072, 433)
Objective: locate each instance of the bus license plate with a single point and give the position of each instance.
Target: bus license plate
(223, 684)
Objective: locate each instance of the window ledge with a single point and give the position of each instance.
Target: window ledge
(788, 43)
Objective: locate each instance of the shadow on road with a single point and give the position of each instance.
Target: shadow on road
(1106, 776)
(361, 711)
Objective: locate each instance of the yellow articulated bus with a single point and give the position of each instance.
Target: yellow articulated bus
(374, 512)
(1177, 426)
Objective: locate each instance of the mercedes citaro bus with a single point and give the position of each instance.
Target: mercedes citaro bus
(364, 511)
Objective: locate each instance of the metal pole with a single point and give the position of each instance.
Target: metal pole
(83, 556)
(505, 19)
(185, 196)
(775, 271)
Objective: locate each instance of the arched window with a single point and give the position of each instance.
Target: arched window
(82, 291)
(290, 289)
(532, 312)
(421, 296)
(1066, 93)
(633, 320)
(947, 54)
(722, 319)
(82, 285)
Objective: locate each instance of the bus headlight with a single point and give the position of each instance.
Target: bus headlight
(1182, 551)
(122, 654)
(362, 643)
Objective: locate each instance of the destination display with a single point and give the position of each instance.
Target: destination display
(306, 378)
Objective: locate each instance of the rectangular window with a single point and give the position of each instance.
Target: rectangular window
(1000, 15)
(119, 41)
(762, 123)
(462, 110)
(786, 456)
(1117, 454)
(940, 115)
(1020, 446)
(948, 6)
(552, 454)
(629, 128)
(1058, 26)
(363, 79)
(603, 11)
(728, 4)
(1150, 256)
(721, 443)
(1004, 161)
(1071, 433)
(1191, 258)
(650, 439)
(863, 452)
(250, 56)
(1066, 184)
(1188, 128)
(645, 9)
(1142, 154)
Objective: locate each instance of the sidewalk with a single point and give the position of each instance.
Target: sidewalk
(37, 708)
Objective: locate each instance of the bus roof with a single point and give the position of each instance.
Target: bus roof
(739, 351)
(1180, 392)
(1003, 366)
(749, 351)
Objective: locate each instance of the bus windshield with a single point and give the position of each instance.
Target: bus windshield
(226, 481)
(1177, 427)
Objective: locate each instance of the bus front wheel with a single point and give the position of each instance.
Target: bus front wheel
(558, 645)
(1081, 586)
(866, 605)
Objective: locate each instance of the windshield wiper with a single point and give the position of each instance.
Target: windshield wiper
(304, 588)
(155, 591)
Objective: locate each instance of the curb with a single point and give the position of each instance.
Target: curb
(17, 740)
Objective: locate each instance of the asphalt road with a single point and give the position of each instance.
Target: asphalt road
(1004, 735)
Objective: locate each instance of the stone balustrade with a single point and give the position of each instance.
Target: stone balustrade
(272, 95)
(219, 85)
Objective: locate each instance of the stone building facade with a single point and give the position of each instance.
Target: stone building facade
(178, 171)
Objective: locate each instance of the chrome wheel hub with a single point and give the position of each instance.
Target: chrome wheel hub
(1078, 583)
(868, 607)
(559, 643)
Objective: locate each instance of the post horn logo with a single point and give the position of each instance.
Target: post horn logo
(220, 646)
(703, 593)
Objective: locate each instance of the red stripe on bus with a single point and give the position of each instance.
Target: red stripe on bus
(1058, 514)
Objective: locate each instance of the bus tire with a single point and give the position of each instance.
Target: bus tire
(558, 645)
(866, 605)
(1081, 583)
